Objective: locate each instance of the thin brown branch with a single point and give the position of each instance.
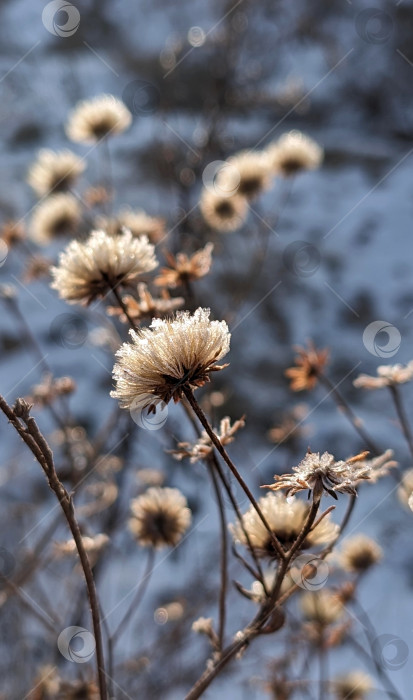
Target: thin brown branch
(217, 443)
(40, 449)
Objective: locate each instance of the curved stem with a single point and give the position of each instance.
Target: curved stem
(212, 457)
(217, 443)
(124, 308)
(42, 452)
(401, 413)
(224, 558)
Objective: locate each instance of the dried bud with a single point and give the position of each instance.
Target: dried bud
(22, 409)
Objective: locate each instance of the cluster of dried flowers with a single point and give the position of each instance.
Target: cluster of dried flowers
(246, 175)
(284, 538)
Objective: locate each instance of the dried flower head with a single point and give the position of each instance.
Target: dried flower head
(322, 607)
(97, 118)
(12, 233)
(247, 173)
(54, 171)
(46, 685)
(160, 517)
(37, 267)
(293, 152)
(290, 427)
(223, 213)
(309, 363)
(286, 519)
(355, 685)
(360, 553)
(88, 270)
(185, 268)
(50, 388)
(146, 306)
(94, 546)
(167, 357)
(96, 196)
(59, 215)
(322, 473)
(387, 375)
(203, 447)
(378, 466)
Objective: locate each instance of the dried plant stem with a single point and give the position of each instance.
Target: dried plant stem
(212, 458)
(33, 438)
(401, 413)
(118, 297)
(224, 557)
(255, 628)
(349, 413)
(217, 443)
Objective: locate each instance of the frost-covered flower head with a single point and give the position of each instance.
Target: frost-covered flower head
(59, 215)
(221, 212)
(97, 118)
(286, 519)
(294, 151)
(322, 472)
(159, 517)
(87, 270)
(167, 357)
(54, 171)
(247, 173)
(387, 375)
